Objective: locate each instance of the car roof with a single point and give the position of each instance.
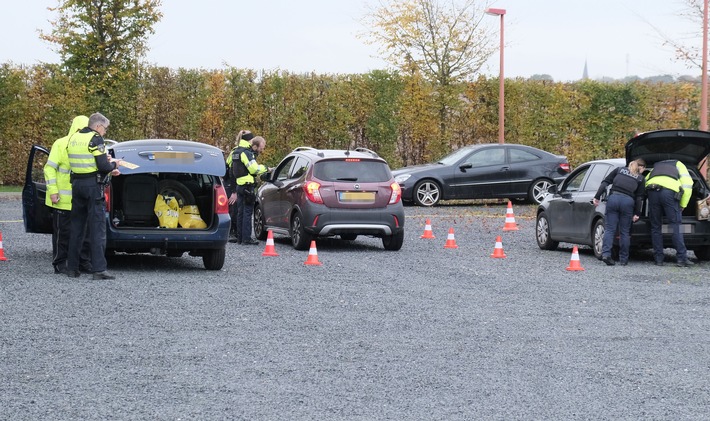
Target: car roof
(515, 145)
(617, 162)
(688, 146)
(169, 155)
(318, 154)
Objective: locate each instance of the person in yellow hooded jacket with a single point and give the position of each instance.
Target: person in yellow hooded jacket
(57, 179)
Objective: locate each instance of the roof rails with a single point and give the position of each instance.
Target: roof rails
(308, 148)
(347, 152)
(365, 150)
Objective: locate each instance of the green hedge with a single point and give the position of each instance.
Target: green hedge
(393, 114)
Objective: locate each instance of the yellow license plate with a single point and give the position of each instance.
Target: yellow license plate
(357, 196)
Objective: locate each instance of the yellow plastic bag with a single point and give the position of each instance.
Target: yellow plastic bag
(167, 210)
(190, 217)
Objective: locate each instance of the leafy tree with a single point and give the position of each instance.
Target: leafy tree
(447, 44)
(101, 41)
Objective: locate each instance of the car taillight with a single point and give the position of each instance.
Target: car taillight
(107, 197)
(564, 167)
(220, 200)
(396, 193)
(312, 190)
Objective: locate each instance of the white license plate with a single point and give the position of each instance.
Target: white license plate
(684, 229)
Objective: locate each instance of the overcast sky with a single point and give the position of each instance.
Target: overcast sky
(554, 37)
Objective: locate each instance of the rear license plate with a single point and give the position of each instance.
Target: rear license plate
(171, 157)
(684, 229)
(356, 196)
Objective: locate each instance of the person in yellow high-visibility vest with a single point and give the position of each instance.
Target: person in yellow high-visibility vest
(230, 184)
(669, 188)
(89, 165)
(56, 177)
(245, 168)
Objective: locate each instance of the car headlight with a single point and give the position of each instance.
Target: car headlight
(402, 178)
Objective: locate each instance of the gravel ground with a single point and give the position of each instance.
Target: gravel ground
(422, 333)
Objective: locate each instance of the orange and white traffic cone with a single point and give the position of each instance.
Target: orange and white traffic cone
(510, 224)
(498, 250)
(574, 261)
(427, 230)
(2, 251)
(269, 250)
(312, 255)
(450, 240)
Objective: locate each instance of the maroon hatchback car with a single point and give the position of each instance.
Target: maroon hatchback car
(323, 193)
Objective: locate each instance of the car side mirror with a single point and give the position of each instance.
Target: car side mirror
(466, 166)
(266, 176)
(552, 189)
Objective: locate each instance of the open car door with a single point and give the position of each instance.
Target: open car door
(36, 215)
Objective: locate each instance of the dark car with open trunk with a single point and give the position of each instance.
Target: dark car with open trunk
(184, 171)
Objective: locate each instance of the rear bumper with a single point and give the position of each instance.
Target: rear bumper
(695, 233)
(332, 221)
(148, 240)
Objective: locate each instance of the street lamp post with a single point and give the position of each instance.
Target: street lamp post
(501, 90)
(704, 82)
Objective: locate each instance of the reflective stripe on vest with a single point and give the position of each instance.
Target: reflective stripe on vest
(81, 160)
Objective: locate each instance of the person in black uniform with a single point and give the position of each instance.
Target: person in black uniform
(89, 165)
(623, 207)
(230, 185)
(245, 168)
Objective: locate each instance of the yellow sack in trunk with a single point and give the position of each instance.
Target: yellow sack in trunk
(167, 210)
(190, 217)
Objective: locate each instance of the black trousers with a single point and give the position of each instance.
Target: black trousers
(61, 230)
(87, 212)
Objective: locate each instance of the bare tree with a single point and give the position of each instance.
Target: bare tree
(687, 46)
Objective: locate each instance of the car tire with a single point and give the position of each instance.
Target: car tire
(177, 190)
(299, 237)
(542, 233)
(348, 237)
(538, 190)
(393, 242)
(702, 253)
(259, 224)
(427, 193)
(214, 259)
(598, 238)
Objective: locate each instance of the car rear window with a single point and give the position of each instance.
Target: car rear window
(352, 170)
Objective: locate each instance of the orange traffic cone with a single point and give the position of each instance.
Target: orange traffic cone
(312, 255)
(498, 250)
(427, 230)
(510, 224)
(2, 251)
(450, 240)
(269, 250)
(574, 261)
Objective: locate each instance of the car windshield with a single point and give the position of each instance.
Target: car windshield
(454, 156)
(352, 170)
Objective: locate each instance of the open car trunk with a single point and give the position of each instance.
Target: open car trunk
(133, 199)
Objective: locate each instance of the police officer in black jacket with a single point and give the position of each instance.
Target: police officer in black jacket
(623, 207)
(89, 165)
